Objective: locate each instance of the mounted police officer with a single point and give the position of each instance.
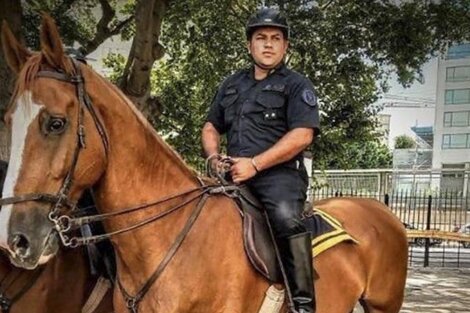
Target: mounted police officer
(270, 115)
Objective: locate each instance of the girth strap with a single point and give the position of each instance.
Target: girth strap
(99, 291)
(132, 302)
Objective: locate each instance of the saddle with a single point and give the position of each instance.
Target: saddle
(259, 247)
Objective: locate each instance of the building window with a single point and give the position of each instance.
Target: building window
(459, 51)
(456, 141)
(457, 96)
(458, 73)
(457, 119)
(460, 166)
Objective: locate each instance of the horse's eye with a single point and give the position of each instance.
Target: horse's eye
(56, 125)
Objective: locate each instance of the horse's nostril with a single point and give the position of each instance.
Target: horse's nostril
(20, 245)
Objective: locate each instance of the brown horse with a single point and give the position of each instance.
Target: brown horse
(64, 284)
(101, 140)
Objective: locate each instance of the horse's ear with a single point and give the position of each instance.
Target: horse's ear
(51, 44)
(15, 53)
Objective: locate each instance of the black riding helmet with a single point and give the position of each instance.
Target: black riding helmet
(266, 17)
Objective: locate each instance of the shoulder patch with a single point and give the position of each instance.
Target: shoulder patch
(308, 96)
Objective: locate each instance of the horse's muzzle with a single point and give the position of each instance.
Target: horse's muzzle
(20, 245)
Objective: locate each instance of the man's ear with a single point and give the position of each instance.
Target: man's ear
(248, 46)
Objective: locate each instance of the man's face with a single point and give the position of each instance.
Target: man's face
(268, 46)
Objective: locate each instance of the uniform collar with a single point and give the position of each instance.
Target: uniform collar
(281, 68)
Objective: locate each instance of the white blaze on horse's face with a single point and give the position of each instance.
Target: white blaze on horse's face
(25, 113)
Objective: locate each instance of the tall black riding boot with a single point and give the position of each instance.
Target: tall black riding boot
(296, 254)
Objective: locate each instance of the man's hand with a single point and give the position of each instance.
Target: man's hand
(242, 170)
(220, 163)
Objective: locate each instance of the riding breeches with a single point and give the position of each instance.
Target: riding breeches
(282, 191)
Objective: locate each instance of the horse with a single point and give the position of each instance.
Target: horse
(65, 284)
(179, 248)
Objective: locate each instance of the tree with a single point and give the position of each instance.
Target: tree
(404, 142)
(76, 21)
(345, 47)
(365, 155)
(11, 12)
(145, 50)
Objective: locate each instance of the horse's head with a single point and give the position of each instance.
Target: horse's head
(51, 162)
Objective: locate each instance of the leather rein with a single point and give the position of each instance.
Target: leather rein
(64, 224)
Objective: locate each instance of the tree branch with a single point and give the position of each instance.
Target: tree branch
(135, 81)
(103, 31)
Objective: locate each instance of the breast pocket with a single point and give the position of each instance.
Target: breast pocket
(228, 103)
(270, 108)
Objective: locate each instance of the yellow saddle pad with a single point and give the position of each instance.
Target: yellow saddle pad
(329, 232)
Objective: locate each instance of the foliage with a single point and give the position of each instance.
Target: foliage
(363, 155)
(404, 142)
(115, 62)
(77, 20)
(344, 47)
(347, 48)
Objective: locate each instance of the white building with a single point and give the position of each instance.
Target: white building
(452, 118)
(384, 127)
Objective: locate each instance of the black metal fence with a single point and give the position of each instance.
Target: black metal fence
(420, 210)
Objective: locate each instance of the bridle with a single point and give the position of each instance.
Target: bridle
(64, 224)
(62, 198)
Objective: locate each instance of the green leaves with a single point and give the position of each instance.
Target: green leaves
(404, 142)
(347, 48)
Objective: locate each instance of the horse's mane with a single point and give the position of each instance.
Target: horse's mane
(146, 124)
(38, 62)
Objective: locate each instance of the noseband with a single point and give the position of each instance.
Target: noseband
(62, 198)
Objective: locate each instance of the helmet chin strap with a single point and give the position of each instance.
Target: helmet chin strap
(266, 68)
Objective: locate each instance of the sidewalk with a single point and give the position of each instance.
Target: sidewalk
(437, 290)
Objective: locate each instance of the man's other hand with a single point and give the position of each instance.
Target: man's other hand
(242, 170)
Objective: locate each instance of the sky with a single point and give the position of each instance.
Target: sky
(402, 119)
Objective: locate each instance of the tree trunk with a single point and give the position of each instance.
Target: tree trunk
(145, 50)
(10, 11)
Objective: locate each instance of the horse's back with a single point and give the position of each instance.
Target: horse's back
(378, 263)
(367, 220)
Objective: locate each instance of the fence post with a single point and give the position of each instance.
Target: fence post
(428, 227)
(386, 199)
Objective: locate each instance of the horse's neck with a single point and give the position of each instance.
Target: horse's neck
(141, 169)
(141, 166)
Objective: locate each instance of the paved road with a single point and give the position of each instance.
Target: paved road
(436, 290)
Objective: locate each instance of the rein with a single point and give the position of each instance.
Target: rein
(67, 223)
(132, 302)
